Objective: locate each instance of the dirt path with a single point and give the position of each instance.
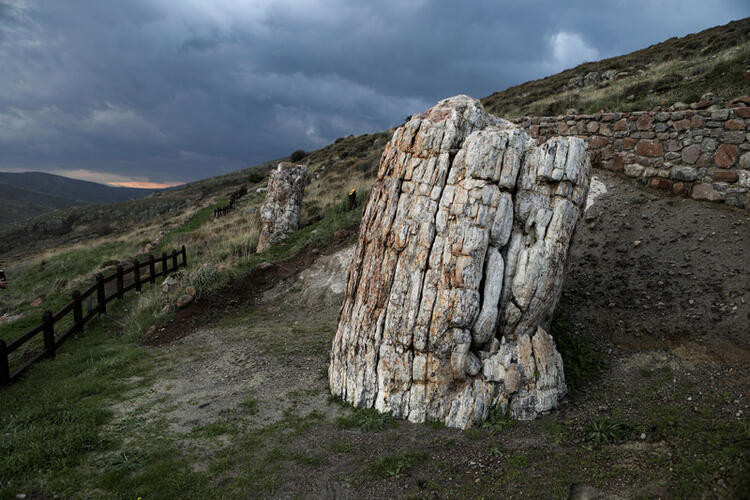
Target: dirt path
(243, 392)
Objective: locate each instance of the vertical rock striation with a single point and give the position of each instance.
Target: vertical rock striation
(280, 211)
(457, 271)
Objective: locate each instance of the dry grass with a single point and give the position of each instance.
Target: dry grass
(628, 92)
(679, 69)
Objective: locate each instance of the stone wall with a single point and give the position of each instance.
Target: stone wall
(704, 154)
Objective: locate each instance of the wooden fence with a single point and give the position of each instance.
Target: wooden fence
(233, 197)
(166, 263)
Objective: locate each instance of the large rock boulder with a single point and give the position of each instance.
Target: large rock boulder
(457, 271)
(281, 208)
(324, 282)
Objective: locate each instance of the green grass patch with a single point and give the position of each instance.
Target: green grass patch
(53, 418)
(366, 420)
(398, 465)
(214, 429)
(49, 279)
(340, 446)
(197, 221)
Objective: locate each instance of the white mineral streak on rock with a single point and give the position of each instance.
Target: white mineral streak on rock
(597, 189)
(457, 271)
(280, 211)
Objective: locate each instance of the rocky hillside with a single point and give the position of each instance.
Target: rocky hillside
(716, 61)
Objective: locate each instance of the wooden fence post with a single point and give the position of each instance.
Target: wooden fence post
(174, 259)
(164, 270)
(151, 269)
(77, 311)
(4, 366)
(137, 275)
(119, 282)
(100, 295)
(49, 334)
(184, 257)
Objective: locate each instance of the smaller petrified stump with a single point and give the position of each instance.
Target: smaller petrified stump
(280, 211)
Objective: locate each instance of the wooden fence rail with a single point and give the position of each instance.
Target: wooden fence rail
(233, 198)
(169, 263)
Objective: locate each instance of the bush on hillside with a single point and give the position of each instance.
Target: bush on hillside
(297, 156)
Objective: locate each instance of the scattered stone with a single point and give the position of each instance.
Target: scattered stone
(324, 282)
(585, 492)
(264, 266)
(170, 283)
(280, 211)
(592, 78)
(190, 291)
(458, 266)
(183, 301)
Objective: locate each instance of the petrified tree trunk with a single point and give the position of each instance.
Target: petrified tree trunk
(458, 269)
(280, 211)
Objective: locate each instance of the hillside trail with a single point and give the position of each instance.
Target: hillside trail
(660, 284)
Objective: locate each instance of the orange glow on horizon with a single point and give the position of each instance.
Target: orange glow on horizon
(144, 185)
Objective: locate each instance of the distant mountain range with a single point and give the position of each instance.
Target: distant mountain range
(28, 194)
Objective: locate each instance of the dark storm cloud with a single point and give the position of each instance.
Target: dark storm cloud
(180, 90)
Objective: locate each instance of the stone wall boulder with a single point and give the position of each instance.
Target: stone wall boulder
(280, 212)
(457, 270)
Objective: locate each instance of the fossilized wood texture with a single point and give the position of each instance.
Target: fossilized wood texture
(280, 211)
(457, 271)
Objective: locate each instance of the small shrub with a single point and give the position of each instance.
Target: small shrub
(255, 177)
(297, 156)
(498, 421)
(250, 405)
(605, 430)
(204, 278)
(397, 466)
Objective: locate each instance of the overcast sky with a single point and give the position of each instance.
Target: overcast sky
(170, 91)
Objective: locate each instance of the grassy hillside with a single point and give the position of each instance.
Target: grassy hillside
(676, 70)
